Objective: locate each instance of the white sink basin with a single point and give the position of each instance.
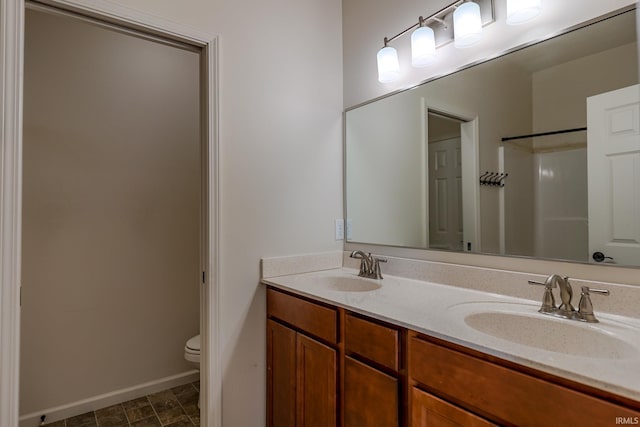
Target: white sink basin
(522, 324)
(348, 284)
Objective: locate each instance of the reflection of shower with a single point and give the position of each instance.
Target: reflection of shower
(544, 208)
(561, 204)
(545, 173)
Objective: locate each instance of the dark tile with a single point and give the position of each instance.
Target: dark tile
(189, 401)
(136, 403)
(191, 409)
(187, 394)
(195, 419)
(180, 424)
(135, 414)
(172, 414)
(161, 397)
(112, 416)
(56, 424)
(182, 389)
(147, 422)
(196, 384)
(138, 409)
(88, 419)
(167, 407)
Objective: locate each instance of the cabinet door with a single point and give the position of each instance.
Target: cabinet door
(281, 375)
(370, 396)
(429, 411)
(316, 386)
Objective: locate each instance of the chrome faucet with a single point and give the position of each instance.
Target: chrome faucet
(369, 265)
(365, 262)
(566, 310)
(585, 307)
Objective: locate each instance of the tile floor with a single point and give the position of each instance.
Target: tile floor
(176, 407)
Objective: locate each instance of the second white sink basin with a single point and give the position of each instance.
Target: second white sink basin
(522, 324)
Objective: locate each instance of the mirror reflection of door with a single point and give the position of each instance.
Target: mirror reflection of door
(614, 176)
(445, 182)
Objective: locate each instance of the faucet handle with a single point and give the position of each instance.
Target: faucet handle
(585, 307)
(377, 273)
(552, 285)
(548, 301)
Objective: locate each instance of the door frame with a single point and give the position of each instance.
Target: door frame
(11, 103)
(470, 149)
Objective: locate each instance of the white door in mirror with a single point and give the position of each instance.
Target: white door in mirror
(613, 150)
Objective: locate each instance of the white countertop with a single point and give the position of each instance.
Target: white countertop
(440, 310)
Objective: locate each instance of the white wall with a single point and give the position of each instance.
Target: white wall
(281, 167)
(111, 211)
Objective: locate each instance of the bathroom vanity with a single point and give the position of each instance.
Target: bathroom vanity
(347, 351)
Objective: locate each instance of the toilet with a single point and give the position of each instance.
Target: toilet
(192, 351)
(192, 354)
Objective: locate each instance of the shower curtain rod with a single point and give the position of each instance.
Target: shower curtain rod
(533, 135)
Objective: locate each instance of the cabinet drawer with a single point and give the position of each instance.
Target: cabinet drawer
(315, 319)
(376, 342)
(429, 411)
(504, 394)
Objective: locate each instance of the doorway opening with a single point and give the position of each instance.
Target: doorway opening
(452, 165)
(445, 182)
(12, 53)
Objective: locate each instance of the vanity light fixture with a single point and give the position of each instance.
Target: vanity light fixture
(423, 45)
(461, 22)
(467, 25)
(522, 11)
(388, 65)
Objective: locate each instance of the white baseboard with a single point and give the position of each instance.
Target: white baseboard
(101, 401)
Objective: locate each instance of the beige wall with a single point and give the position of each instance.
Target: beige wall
(280, 157)
(111, 211)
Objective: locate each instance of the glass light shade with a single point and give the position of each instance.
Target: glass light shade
(388, 65)
(521, 11)
(423, 47)
(467, 24)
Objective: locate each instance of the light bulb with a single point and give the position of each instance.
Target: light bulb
(522, 11)
(388, 65)
(467, 24)
(423, 47)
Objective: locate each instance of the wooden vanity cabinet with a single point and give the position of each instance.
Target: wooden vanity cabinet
(330, 367)
(302, 362)
(373, 378)
(474, 384)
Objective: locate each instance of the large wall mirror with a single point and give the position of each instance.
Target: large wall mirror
(534, 153)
